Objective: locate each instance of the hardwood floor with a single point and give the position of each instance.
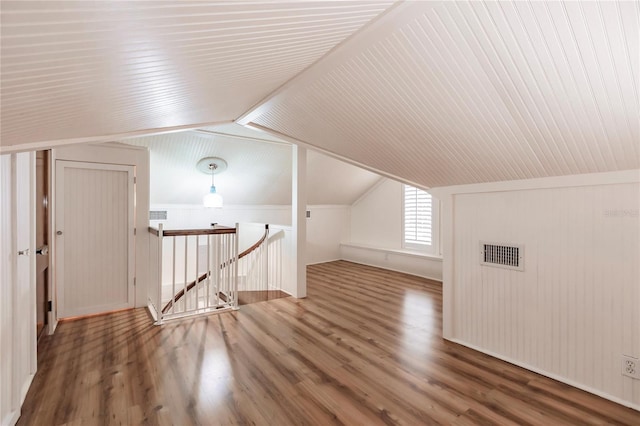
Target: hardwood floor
(365, 347)
(256, 296)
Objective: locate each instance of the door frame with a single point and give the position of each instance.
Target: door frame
(52, 320)
(60, 166)
(44, 203)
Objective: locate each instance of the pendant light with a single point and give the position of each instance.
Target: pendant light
(212, 166)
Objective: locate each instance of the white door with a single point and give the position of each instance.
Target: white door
(17, 286)
(24, 296)
(94, 237)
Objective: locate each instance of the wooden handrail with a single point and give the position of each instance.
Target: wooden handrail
(184, 232)
(256, 245)
(204, 276)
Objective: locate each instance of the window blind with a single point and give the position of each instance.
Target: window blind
(417, 216)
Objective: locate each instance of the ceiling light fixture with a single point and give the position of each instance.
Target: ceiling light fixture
(212, 166)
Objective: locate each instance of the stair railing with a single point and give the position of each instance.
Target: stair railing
(190, 284)
(189, 297)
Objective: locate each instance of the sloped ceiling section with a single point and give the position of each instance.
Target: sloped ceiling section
(445, 93)
(258, 173)
(77, 70)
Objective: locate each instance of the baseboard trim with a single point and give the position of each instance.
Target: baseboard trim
(391, 269)
(549, 375)
(324, 261)
(11, 418)
(25, 387)
(397, 252)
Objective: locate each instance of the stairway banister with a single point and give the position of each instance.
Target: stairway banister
(203, 277)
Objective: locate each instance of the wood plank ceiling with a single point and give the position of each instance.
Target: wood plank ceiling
(434, 93)
(445, 93)
(259, 173)
(85, 69)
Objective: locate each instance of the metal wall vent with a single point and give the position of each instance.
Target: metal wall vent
(502, 255)
(158, 215)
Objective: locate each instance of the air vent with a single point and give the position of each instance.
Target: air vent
(158, 215)
(502, 255)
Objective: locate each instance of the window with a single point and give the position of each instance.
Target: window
(418, 219)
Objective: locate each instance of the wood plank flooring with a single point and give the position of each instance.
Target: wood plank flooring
(365, 347)
(256, 296)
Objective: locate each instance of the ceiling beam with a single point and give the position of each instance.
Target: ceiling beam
(231, 135)
(40, 145)
(312, 147)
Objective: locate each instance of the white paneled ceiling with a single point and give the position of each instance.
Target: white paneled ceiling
(80, 70)
(258, 173)
(443, 93)
(331, 181)
(433, 93)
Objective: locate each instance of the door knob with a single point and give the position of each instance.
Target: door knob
(24, 252)
(59, 233)
(43, 251)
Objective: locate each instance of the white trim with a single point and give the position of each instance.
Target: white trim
(377, 29)
(299, 218)
(25, 387)
(590, 179)
(247, 206)
(391, 269)
(11, 418)
(327, 206)
(121, 145)
(34, 146)
(226, 207)
(320, 262)
(33, 278)
(403, 252)
(53, 314)
(447, 203)
(231, 135)
(369, 191)
(547, 374)
(331, 154)
(53, 327)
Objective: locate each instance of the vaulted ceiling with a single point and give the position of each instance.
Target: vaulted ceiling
(86, 69)
(258, 173)
(443, 93)
(434, 93)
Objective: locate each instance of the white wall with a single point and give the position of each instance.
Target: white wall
(376, 218)
(114, 153)
(376, 234)
(18, 361)
(195, 216)
(573, 312)
(327, 227)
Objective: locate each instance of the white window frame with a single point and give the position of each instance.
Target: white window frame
(433, 248)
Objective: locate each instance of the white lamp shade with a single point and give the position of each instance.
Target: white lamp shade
(212, 199)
